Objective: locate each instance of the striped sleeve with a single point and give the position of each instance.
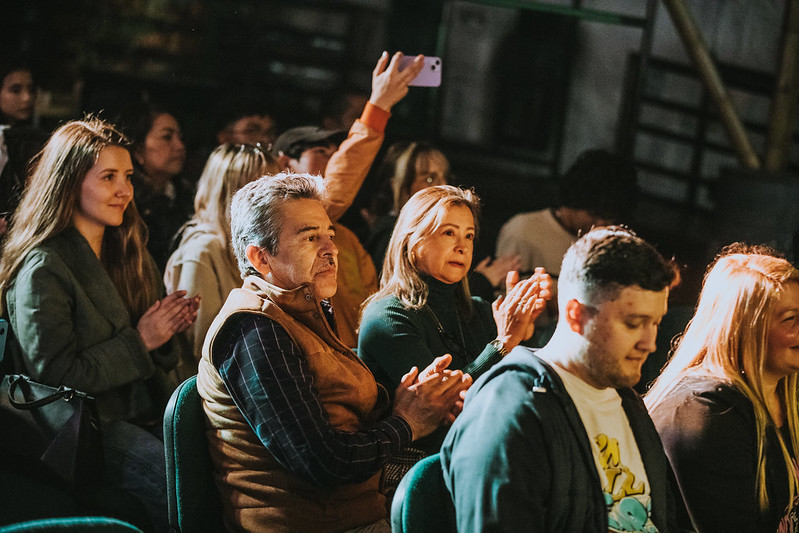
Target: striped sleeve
(270, 382)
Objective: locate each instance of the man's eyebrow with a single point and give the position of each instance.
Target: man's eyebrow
(636, 316)
(306, 229)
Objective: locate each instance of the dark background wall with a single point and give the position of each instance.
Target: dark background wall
(527, 86)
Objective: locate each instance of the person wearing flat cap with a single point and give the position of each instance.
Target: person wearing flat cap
(307, 148)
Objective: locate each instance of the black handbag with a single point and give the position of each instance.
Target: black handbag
(57, 427)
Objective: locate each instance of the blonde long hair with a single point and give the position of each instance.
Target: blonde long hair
(728, 339)
(418, 219)
(48, 203)
(229, 168)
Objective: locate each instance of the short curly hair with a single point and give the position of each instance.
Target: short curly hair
(606, 260)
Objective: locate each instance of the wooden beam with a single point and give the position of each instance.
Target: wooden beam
(783, 105)
(698, 51)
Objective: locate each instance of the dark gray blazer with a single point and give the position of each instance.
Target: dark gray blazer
(71, 328)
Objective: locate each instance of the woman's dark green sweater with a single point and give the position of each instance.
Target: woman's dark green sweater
(393, 338)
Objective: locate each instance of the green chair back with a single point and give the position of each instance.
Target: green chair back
(193, 500)
(92, 524)
(422, 503)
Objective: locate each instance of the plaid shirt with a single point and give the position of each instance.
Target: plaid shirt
(269, 380)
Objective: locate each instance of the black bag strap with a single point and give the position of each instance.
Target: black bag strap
(61, 392)
(9, 349)
(3, 340)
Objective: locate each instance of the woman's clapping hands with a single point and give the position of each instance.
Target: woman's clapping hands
(515, 312)
(166, 317)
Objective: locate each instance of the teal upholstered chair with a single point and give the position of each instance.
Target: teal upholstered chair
(192, 497)
(422, 503)
(92, 524)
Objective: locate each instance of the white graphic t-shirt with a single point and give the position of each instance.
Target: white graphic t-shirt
(618, 461)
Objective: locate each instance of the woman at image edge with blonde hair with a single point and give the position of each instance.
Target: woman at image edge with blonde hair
(726, 404)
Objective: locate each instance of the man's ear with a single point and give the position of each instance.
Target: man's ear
(258, 258)
(284, 161)
(576, 315)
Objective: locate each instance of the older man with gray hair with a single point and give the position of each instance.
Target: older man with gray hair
(300, 430)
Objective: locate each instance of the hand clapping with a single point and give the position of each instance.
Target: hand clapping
(516, 312)
(166, 317)
(432, 397)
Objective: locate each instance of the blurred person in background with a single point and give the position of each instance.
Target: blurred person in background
(19, 139)
(203, 262)
(159, 156)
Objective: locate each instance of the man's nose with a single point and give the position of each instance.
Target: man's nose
(648, 342)
(329, 248)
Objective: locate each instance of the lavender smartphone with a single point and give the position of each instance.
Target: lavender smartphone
(430, 76)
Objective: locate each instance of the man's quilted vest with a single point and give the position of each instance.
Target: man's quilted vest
(258, 494)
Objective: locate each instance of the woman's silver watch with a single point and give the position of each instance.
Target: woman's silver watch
(496, 343)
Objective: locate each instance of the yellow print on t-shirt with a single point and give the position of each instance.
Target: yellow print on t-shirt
(621, 482)
(629, 507)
